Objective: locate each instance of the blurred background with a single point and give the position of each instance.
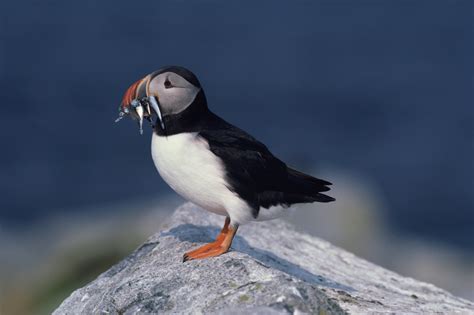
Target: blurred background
(375, 96)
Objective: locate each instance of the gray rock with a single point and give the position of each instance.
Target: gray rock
(272, 269)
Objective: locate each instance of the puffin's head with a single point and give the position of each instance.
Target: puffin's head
(168, 91)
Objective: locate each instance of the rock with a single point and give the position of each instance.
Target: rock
(272, 269)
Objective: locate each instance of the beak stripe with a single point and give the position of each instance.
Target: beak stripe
(130, 95)
(142, 88)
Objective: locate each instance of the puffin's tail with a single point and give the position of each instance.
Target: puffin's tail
(299, 188)
(306, 188)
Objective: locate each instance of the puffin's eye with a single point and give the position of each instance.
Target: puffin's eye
(167, 84)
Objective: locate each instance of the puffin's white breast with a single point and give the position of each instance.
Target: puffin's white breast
(187, 165)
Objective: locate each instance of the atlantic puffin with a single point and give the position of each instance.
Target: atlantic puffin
(209, 161)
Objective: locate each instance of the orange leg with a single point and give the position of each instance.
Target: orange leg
(216, 248)
(218, 241)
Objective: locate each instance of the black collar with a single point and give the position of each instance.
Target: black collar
(192, 119)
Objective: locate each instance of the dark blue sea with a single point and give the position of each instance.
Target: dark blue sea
(383, 89)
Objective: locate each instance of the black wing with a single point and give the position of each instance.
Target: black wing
(256, 175)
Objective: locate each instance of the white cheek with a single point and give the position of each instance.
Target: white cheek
(175, 100)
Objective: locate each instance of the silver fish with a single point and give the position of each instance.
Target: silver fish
(139, 111)
(156, 108)
(142, 109)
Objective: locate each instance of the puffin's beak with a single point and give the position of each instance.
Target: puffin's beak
(138, 104)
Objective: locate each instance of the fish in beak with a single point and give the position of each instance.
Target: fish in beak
(139, 105)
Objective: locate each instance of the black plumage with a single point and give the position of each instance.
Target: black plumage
(256, 175)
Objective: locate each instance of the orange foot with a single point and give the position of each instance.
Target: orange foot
(220, 246)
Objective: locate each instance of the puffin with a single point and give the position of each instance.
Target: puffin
(211, 162)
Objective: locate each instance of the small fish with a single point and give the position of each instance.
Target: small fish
(139, 111)
(142, 109)
(120, 117)
(156, 108)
